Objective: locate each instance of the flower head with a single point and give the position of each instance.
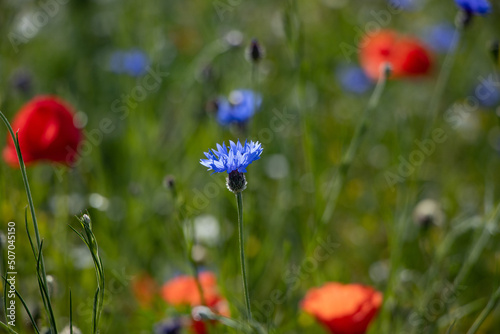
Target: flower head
(441, 38)
(183, 291)
(479, 7)
(239, 108)
(22, 80)
(236, 158)
(168, 326)
(409, 5)
(407, 56)
(488, 93)
(144, 288)
(353, 79)
(132, 62)
(343, 309)
(428, 212)
(46, 132)
(255, 52)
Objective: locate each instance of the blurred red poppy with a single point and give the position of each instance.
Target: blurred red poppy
(407, 56)
(144, 288)
(343, 309)
(46, 132)
(183, 290)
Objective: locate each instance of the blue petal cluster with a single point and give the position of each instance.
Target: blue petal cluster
(237, 158)
(475, 6)
(408, 5)
(132, 62)
(239, 108)
(440, 37)
(353, 79)
(170, 326)
(488, 93)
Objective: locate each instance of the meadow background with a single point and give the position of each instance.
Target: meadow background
(430, 277)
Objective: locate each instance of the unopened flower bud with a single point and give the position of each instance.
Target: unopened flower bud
(169, 326)
(22, 81)
(463, 19)
(201, 313)
(67, 330)
(255, 52)
(495, 51)
(427, 213)
(52, 285)
(169, 182)
(86, 219)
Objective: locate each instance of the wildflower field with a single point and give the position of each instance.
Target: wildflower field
(231, 166)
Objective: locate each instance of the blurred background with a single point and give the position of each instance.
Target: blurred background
(154, 71)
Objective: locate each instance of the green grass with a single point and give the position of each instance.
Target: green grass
(431, 278)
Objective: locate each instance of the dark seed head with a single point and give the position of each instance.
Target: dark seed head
(236, 182)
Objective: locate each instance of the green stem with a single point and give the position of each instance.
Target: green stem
(492, 303)
(190, 239)
(442, 80)
(33, 217)
(194, 265)
(239, 202)
(338, 180)
(24, 175)
(7, 328)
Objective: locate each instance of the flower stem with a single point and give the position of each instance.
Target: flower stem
(338, 180)
(36, 250)
(442, 80)
(239, 202)
(492, 303)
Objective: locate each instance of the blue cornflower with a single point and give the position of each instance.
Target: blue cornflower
(239, 108)
(488, 93)
(408, 5)
(133, 62)
(474, 6)
(353, 79)
(237, 158)
(170, 326)
(441, 37)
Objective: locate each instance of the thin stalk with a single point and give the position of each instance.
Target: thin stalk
(492, 303)
(442, 80)
(194, 265)
(239, 202)
(41, 267)
(190, 239)
(338, 180)
(7, 328)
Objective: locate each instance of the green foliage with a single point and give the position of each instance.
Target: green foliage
(318, 189)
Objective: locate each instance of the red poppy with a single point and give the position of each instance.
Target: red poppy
(46, 132)
(407, 56)
(144, 288)
(343, 309)
(183, 290)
